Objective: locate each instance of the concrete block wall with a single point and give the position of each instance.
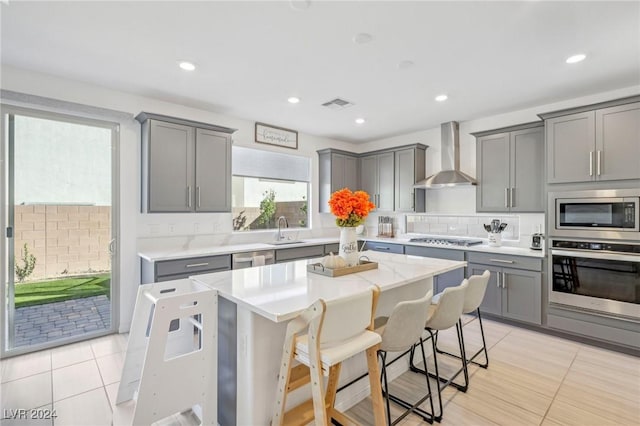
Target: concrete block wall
(65, 239)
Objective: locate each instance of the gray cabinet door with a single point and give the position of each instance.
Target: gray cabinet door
(404, 180)
(522, 294)
(351, 173)
(618, 142)
(526, 176)
(385, 181)
(213, 171)
(570, 147)
(337, 172)
(170, 167)
(492, 302)
(369, 177)
(493, 173)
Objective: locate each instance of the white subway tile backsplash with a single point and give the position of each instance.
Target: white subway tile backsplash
(447, 219)
(457, 229)
(468, 220)
(438, 228)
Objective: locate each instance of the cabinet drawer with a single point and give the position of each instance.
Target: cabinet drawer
(505, 261)
(438, 253)
(284, 255)
(385, 247)
(193, 265)
(333, 248)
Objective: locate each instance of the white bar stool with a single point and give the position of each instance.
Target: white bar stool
(442, 316)
(399, 333)
(336, 330)
(472, 300)
(171, 359)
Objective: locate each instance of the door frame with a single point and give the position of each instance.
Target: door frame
(6, 313)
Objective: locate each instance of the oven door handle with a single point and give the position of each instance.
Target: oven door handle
(596, 255)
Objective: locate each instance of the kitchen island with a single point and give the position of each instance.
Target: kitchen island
(255, 305)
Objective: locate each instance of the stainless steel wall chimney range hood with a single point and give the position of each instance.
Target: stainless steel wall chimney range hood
(450, 175)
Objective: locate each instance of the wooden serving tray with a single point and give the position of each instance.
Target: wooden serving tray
(318, 268)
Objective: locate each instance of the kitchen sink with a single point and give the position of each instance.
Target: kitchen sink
(284, 242)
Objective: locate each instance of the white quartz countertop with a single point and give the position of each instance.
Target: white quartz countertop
(182, 252)
(280, 292)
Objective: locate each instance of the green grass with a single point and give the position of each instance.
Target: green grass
(61, 289)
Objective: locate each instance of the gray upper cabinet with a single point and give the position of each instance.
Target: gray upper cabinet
(409, 169)
(337, 170)
(510, 164)
(377, 179)
(594, 143)
(387, 176)
(186, 166)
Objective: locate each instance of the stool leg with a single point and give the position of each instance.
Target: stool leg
(484, 344)
(374, 383)
(463, 358)
(435, 363)
(385, 391)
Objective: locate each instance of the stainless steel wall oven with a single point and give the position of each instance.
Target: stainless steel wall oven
(595, 275)
(595, 251)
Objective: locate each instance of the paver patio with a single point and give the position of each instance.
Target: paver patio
(53, 321)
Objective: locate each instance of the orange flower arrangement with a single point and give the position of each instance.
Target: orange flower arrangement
(350, 208)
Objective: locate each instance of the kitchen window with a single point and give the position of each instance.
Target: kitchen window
(267, 185)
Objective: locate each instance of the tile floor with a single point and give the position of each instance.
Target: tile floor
(532, 379)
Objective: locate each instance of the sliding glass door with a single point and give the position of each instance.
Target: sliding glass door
(60, 229)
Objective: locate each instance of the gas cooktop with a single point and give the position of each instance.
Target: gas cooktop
(446, 241)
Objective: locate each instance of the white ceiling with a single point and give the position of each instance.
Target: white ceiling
(489, 57)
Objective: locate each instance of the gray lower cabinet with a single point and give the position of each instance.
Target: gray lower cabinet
(448, 279)
(510, 175)
(409, 169)
(186, 166)
(333, 248)
(337, 170)
(166, 270)
(512, 292)
(296, 253)
(600, 144)
(377, 179)
(384, 247)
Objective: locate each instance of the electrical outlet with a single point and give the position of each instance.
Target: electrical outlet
(171, 228)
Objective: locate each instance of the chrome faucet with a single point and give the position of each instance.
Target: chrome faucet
(286, 225)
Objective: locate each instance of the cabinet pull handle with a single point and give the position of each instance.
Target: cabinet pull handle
(381, 248)
(502, 261)
(511, 197)
(198, 195)
(504, 284)
(498, 279)
(195, 265)
(188, 196)
(413, 201)
(598, 162)
(590, 163)
(506, 197)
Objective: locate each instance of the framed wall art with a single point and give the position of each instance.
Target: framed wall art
(278, 136)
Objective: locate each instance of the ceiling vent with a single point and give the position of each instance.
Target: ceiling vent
(337, 103)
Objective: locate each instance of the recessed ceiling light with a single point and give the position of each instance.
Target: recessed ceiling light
(187, 66)
(362, 38)
(406, 64)
(293, 100)
(576, 58)
(299, 4)
(441, 98)
(360, 120)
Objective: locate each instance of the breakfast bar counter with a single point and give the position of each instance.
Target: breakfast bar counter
(255, 305)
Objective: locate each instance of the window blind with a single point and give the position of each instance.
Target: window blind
(270, 165)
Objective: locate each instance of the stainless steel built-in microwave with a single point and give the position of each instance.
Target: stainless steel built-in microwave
(598, 213)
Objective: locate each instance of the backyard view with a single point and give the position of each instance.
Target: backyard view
(61, 190)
